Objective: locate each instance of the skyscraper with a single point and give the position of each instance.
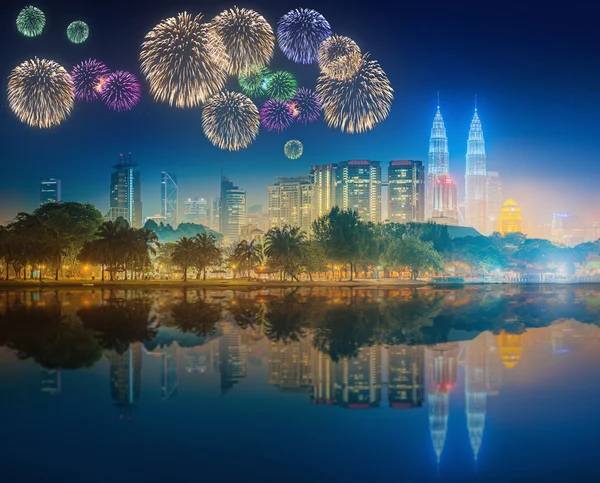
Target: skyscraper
(290, 203)
(360, 185)
(126, 378)
(232, 210)
(50, 191)
(325, 190)
(358, 380)
(125, 193)
(475, 177)
(494, 200)
(169, 198)
(197, 211)
(406, 191)
(406, 387)
(510, 218)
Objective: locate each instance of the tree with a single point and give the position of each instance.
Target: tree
(184, 255)
(246, 256)
(284, 249)
(414, 254)
(313, 259)
(207, 253)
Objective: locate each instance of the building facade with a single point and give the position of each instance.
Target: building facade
(169, 198)
(494, 200)
(50, 191)
(232, 215)
(476, 178)
(510, 218)
(125, 193)
(406, 191)
(325, 188)
(197, 211)
(290, 203)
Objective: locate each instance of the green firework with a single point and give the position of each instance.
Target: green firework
(31, 21)
(78, 31)
(293, 149)
(254, 80)
(281, 86)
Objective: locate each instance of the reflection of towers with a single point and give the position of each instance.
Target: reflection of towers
(323, 378)
(406, 373)
(441, 362)
(476, 390)
(203, 359)
(290, 367)
(510, 347)
(358, 380)
(169, 371)
(50, 381)
(126, 378)
(232, 357)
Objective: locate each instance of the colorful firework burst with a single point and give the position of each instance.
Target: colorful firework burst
(293, 149)
(120, 91)
(306, 106)
(247, 36)
(359, 103)
(254, 80)
(183, 61)
(281, 85)
(276, 115)
(87, 76)
(339, 57)
(230, 120)
(300, 32)
(78, 31)
(40, 92)
(31, 21)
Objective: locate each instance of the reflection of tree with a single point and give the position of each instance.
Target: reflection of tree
(286, 319)
(199, 317)
(246, 311)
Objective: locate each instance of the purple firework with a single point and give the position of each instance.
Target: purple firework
(306, 106)
(276, 116)
(300, 33)
(86, 77)
(121, 91)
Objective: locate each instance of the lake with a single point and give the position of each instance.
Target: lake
(482, 383)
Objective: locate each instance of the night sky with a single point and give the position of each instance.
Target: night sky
(534, 67)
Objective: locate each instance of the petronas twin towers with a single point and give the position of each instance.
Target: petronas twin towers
(442, 200)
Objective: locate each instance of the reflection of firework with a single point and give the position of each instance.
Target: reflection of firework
(87, 76)
(281, 86)
(40, 92)
(339, 57)
(254, 80)
(300, 32)
(306, 106)
(230, 120)
(276, 116)
(77, 32)
(183, 61)
(31, 21)
(120, 91)
(247, 36)
(359, 103)
(293, 149)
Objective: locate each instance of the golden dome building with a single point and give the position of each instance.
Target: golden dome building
(510, 218)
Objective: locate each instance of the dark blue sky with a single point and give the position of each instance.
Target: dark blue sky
(534, 67)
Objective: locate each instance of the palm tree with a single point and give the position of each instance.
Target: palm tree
(284, 248)
(246, 256)
(184, 254)
(207, 253)
(110, 235)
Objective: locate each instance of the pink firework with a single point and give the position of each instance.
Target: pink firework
(86, 75)
(121, 91)
(306, 106)
(276, 115)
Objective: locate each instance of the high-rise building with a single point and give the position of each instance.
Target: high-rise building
(257, 218)
(232, 210)
(125, 193)
(232, 357)
(169, 198)
(126, 378)
(50, 191)
(325, 188)
(406, 191)
(197, 211)
(406, 386)
(445, 198)
(510, 218)
(290, 365)
(476, 177)
(494, 200)
(358, 380)
(215, 213)
(290, 203)
(476, 390)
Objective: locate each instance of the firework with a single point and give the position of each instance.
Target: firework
(40, 92)
(281, 86)
(276, 116)
(339, 57)
(359, 103)
(306, 106)
(253, 81)
(247, 37)
(31, 21)
(300, 32)
(78, 31)
(87, 76)
(230, 120)
(120, 91)
(293, 149)
(183, 61)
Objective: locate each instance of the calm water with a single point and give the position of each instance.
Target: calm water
(480, 384)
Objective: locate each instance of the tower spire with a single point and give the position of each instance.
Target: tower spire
(475, 102)
(438, 104)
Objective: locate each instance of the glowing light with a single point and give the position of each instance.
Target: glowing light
(31, 21)
(306, 106)
(87, 76)
(339, 57)
(276, 115)
(300, 32)
(281, 86)
(293, 149)
(78, 32)
(254, 81)
(121, 91)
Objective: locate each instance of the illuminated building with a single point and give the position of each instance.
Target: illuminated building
(510, 347)
(439, 162)
(50, 191)
(169, 198)
(406, 191)
(475, 177)
(445, 201)
(125, 193)
(290, 203)
(290, 365)
(232, 357)
(50, 381)
(358, 380)
(510, 218)
(126, 378)
(325, 188)
(323, 376)
(566, 229)
(494, 200)
(406, 386)
(257, 218)
(476, 390)
(215, 213)
(197, 211)
(232, 210)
